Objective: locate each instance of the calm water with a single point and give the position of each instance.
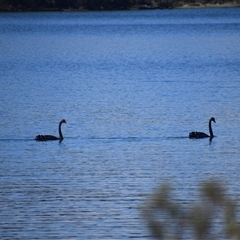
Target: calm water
(131, 86)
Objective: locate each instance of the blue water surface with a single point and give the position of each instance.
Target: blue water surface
(131, 86)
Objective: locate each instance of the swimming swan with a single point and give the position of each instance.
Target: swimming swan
(202, 134)
(50, 137)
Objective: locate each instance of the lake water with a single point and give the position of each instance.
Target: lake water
(131, 86)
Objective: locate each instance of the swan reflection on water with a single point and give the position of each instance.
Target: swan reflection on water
(43, 138)
(197, 135)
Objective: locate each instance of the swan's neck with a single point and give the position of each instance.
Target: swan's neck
(60, 131)
(210, 128)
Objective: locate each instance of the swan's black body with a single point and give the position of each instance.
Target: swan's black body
(202, 134)
(50, 137)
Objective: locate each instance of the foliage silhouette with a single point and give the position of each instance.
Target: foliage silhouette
(214, 216)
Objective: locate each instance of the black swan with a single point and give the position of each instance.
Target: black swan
(50, 137)
(202, 134)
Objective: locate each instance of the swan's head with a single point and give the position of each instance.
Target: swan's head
(212, 119)
(63, 121)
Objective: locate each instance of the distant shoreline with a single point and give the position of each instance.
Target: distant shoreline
(208, 5)
(177, 5)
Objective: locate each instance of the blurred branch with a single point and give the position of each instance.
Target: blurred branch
(211, 216)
